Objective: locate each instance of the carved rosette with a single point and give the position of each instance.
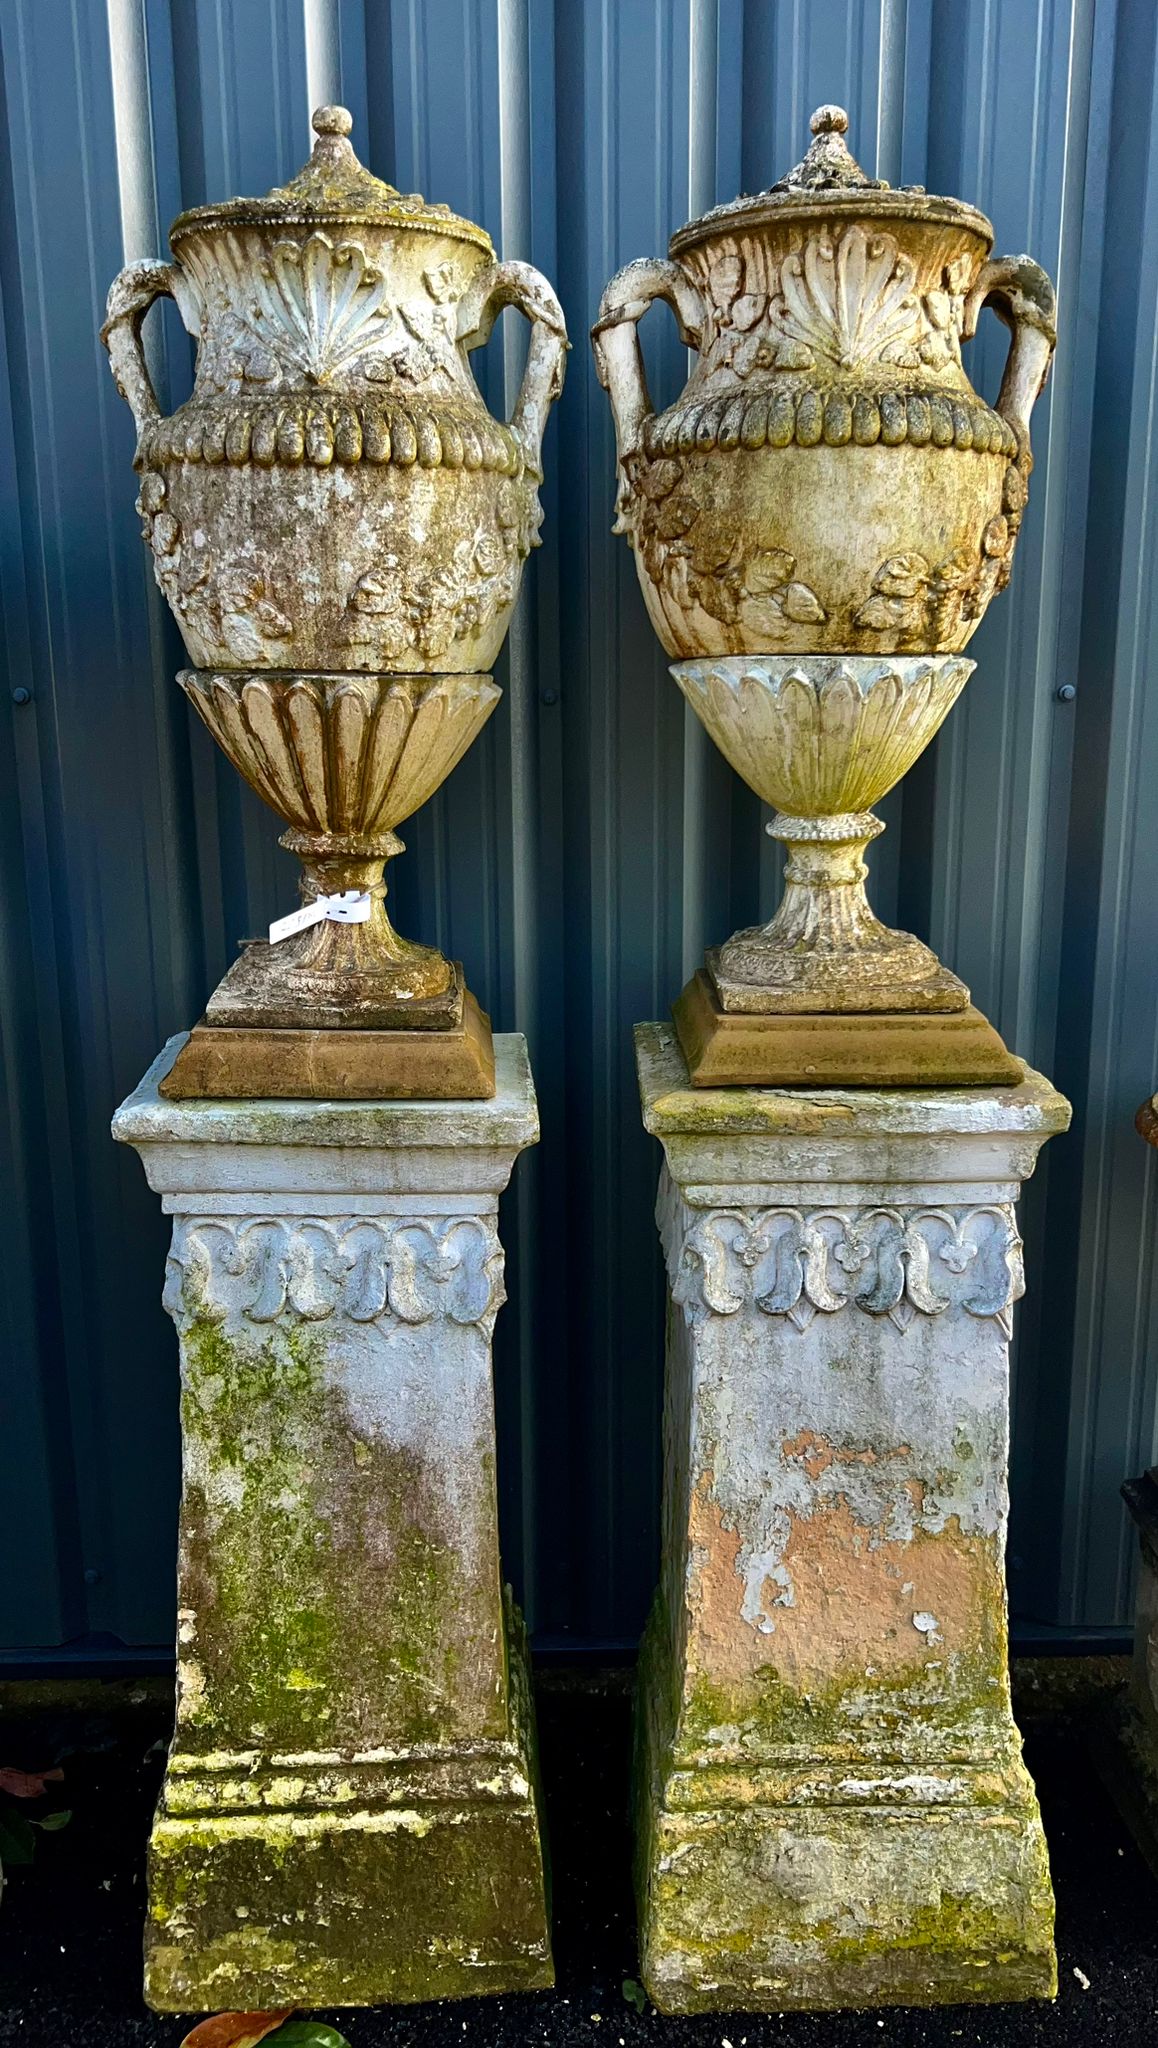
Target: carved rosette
(799, 1263)
(258, 1271)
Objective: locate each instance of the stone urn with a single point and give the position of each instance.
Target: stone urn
(340, 529)
(828, 481)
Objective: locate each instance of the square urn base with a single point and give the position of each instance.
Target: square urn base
(839, 1049)
(230, 1062)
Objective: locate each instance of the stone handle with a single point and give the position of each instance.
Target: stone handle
(130, 296)
(618, 358)
(1024, 298)
(519, 284)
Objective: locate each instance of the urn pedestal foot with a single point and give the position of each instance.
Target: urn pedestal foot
(831, 1804)
(350, 1813)
(836, 1049)
(824, 993)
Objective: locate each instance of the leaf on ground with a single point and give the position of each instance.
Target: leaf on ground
(308, 2034)
(236, 2029)
(28, 1784)
(17, 1840)
(634, 1994)
(51, 1823)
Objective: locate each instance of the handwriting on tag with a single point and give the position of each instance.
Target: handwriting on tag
(352, 906)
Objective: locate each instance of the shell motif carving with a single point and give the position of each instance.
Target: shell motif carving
(353, 755)
(327, 300)
(838, 302)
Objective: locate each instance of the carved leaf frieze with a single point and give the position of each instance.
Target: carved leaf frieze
(263, 1270)
(898, 1263)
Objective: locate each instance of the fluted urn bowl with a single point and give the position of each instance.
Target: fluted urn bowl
(827, 737)
(344, 756)
(343, 760)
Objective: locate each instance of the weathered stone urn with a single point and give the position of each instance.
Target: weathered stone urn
(340, 529)
(828, 480)
(819, 523)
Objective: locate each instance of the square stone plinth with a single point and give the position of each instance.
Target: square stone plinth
(350, 1814)
(832, 1807)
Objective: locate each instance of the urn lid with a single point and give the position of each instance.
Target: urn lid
(333, 189)
(829, 183)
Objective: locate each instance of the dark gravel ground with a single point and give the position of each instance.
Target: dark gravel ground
(70, 1925)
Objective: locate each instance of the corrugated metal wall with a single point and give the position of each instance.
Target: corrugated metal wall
(592, 840)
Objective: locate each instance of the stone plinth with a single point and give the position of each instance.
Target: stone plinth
(832, 1806)
(350, 1813)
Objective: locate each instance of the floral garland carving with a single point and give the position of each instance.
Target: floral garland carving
(424, 607)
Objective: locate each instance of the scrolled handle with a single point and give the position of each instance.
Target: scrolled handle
(519, 284)
(618, 357)
(130, 296)
(1023, 297)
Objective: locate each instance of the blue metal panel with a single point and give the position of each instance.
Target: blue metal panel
(592, 840)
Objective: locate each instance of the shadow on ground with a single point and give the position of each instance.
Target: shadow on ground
(70, 1925)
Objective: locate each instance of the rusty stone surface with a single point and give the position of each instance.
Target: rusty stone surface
(828, 481)
(832, 1806)
(350, 1810)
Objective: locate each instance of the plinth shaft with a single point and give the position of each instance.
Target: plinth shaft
(349, 1814)
(832, 1807)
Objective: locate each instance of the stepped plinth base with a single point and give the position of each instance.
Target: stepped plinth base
(448, 1064)
(845, 1049)
(415, 1877)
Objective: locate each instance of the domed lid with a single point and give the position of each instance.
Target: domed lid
(333, 189)
(829, 182)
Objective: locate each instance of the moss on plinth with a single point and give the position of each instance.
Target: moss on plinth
(394, 1878)
(790, 1877)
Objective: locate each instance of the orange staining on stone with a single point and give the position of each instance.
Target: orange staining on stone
(857, 1593)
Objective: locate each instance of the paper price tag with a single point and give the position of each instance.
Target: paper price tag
(352, 906)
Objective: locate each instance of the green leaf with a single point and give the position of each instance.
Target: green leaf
(17, 1840)
(634, 1994)
(53, 1822)
(307, 2034)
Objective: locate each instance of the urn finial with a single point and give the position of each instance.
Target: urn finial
(827, 120)
(829, 165)
(332, 127)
